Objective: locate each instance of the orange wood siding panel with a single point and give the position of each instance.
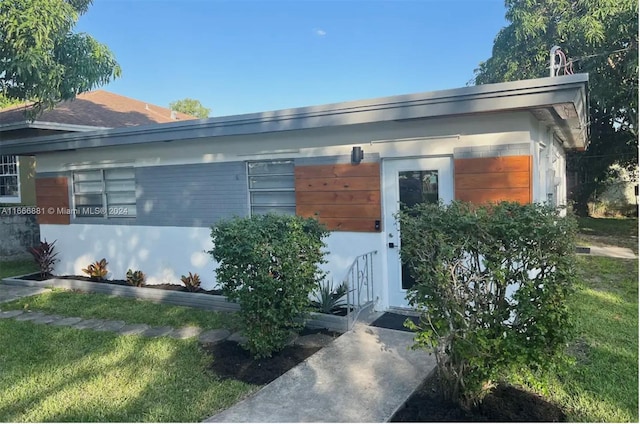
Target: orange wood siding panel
(490, 180)
(52, 197)
(343, 197)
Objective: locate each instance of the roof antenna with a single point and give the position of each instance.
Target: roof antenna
(558, 61)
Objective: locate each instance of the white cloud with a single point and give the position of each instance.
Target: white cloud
(320, 32)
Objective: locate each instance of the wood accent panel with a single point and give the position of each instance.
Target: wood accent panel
(480, 196)
(370, 197)
(491, 180)
(344, 197)
(52, 197)
(342, 170)
(338, 184)
(339, 211)
(497, 164)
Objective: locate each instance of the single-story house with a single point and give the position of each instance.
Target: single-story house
(89, 111)
(145, 197)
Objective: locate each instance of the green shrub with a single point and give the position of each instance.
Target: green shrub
(135, 278)
(191, 282)
(97, 271)
(329, 299)
(45, 257)
(269, 264)
(492, 285)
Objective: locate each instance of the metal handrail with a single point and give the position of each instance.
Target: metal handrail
(359, 280)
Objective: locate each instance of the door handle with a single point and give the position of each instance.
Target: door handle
(391, 245)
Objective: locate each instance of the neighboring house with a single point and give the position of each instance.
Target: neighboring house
(88, 112)
(145, 198)
(619, 196)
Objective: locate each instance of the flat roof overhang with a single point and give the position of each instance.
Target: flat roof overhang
(560, 102)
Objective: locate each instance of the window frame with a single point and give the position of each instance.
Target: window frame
(16, 161)
(103, 193)
(251, 191)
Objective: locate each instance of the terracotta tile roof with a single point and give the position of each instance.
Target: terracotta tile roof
(98, 108)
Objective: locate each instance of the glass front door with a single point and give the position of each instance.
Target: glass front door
(409, 182)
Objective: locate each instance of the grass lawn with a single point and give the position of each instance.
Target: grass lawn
(61, 374)
(75, 304)
(615, 227)
(602, 385)
(19, 267)
(132, 311)
(621, 232)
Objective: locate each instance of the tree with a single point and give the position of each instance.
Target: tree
(42, 60)
(599, 37)
(190, 107)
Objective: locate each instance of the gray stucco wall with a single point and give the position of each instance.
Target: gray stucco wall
(17, 234)
(191, 195)
(194, 195)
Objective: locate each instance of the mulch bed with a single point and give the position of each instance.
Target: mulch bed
(231, 361)
(505, 404)
(171, 287)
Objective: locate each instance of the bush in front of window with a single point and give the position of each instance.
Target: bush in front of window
(269, 264)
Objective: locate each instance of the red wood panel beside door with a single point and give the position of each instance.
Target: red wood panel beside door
(52, 199)
(490, 180)
(344, 197)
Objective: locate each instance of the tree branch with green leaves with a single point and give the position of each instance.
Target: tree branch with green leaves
(42, 60)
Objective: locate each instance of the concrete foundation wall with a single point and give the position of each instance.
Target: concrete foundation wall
(17, 233)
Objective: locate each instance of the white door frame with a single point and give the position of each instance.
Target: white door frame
(391, 199)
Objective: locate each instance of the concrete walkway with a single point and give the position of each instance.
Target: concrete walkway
(365, 375)
(611, 252)
(9, 293)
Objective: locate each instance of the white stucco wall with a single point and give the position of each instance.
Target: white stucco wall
(166, 253)
(549, 166)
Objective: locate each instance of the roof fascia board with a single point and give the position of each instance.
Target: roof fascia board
(45, 125)
(518, 95)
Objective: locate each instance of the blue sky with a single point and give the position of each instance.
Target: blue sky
(251, 56)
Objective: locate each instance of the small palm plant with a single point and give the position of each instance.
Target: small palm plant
(327, 299)
(191, 282)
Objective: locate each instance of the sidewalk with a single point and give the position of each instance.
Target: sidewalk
(611, 252)
(9, 293)
(365, 375)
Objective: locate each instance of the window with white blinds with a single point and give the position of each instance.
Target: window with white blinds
(272, 187)
(9, 179)
(107, 193)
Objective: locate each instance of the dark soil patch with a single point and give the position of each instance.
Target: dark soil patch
(505, 404)
(231, 361)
